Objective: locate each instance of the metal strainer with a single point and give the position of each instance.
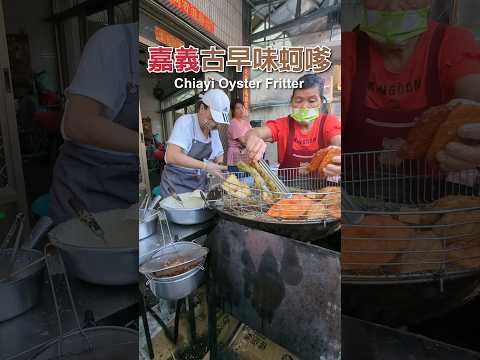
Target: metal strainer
(173, 258)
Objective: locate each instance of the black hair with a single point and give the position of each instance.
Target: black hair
(234, 103)
(310, 81)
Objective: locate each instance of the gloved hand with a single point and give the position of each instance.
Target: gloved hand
(214, 169)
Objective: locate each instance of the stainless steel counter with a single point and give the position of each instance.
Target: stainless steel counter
(39, 324)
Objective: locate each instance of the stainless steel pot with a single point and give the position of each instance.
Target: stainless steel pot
(176, 287)
(147, 226)
(23, 291)
(102, 266)
(186, 215)
(108, 342)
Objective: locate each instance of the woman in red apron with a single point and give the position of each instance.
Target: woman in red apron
(301, 134)
(397, 65)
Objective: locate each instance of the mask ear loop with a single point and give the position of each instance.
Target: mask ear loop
(324, 108)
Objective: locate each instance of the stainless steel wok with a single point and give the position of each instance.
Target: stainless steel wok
(421, 280)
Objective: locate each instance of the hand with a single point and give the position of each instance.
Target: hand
(463, 155)
(334, 168)
(215, 169)
(255, 147)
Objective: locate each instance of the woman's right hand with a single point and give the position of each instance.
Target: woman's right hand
(215, 169)
(255, 147)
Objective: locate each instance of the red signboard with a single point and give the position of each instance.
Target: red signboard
(165, 38)
(187, 8)
(246, 92)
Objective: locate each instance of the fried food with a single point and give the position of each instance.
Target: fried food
(328, 207)
(322, 158)
(377, 242)
(447, 131)
(449, 202)
(425, 252)
(293, 208)
(317, 160)
(419, 137)
(260, 182)
(265, 176)
(234, 187)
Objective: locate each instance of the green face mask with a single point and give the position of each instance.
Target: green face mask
(394, 28)
(305, 115)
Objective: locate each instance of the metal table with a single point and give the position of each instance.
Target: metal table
(39, 324)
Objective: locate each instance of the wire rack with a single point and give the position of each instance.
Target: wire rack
(418, 221)
(309, 197)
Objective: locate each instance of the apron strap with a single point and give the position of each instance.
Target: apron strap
(321, 133)
(291, 133)
(360, 80)
(434, 90)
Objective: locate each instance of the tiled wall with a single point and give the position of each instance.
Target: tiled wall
(227, 17)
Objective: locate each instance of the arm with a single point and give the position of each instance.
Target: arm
(83, 123)
(175, 156)
(264, 133)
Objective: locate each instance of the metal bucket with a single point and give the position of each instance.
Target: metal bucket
(177, 287)
(107, 342)
(147, 227)
(23, 291)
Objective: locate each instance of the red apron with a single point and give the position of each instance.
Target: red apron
(294, 158)
(364, 129)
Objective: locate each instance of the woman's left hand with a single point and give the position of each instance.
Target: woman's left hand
(334, 168)
(465, 154)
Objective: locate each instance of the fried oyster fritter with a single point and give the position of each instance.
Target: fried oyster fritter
(322, 158)
(447, 131)
(419, 137)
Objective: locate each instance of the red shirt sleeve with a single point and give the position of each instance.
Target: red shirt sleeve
(279, 128)
(332, 128)
(459, 57)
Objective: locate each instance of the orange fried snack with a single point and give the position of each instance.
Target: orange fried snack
(317, 160)
(329, 206)
(293, 208)
(447, 131)
(419, 137)
(327, 159)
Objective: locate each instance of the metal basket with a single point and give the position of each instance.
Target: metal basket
(305, 201)
(408, 239)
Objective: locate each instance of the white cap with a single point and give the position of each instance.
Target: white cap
(219, 105)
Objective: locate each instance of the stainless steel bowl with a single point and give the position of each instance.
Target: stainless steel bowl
(179, 287)
(101, 266)
(186, 216)
(23, 291)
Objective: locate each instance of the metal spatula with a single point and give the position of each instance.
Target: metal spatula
(351, 211)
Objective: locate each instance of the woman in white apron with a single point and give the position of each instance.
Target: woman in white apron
(194, 147)
(98, 163)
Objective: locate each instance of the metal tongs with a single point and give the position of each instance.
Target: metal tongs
(273, 175)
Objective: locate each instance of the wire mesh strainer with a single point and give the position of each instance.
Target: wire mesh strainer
(174, 257)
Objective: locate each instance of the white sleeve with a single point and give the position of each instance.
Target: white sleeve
(104, 68)
(182, 133)
(217, 147)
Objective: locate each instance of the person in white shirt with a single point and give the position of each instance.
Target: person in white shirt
(98, 163)
(194, 147)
